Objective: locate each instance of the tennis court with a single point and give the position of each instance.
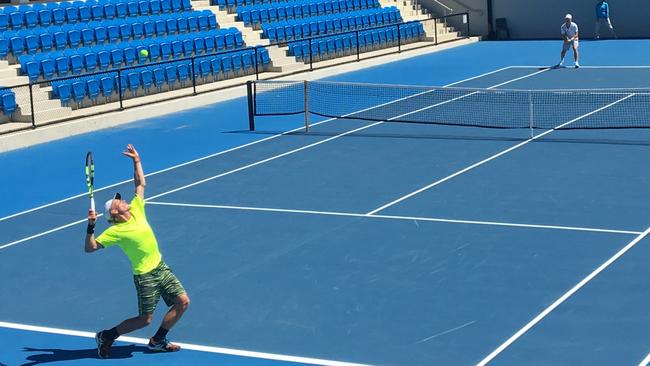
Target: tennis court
(368, 242)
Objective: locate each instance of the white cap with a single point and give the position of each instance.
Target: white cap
(107, 207)
(568, 16)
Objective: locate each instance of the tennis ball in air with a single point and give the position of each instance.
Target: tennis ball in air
(144, 53)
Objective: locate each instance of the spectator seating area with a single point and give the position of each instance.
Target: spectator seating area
(344, 45)
(138, 81)
(256, 15)
(56, 40)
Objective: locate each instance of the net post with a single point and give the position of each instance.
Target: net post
(251, 108)
(306, 107)
(530, 114)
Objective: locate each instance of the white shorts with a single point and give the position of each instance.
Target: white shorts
(566, 46)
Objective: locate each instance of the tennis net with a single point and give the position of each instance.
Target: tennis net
(489, 108)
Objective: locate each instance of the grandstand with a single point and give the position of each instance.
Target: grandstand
(64, 60)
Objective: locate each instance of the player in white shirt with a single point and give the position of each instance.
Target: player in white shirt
(569, 32)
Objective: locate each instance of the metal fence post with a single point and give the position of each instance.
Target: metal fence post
(31, 102)
(435, 31)
(311, 55)
(399, 39)
(119, 87)
(193, 76)
(358, 53)
(257, 70)
(467, 18)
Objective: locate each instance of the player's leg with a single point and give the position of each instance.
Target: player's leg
(574, 44)
(565, 48)
(106, 337)
(176, 298)
(597, 29)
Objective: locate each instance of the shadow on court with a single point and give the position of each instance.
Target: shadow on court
(60, 355)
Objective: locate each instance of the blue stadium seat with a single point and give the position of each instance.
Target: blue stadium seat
(137, 29)
(117, 57)
(155, 6)
(110, 11)
(186, 5)
(63, 92)
(17, 45)
(165, 50)
(107, 84)
(97, 12)
(176, 5)
(205, 68)
(129, 55)
(78, 91)
(4, 47)
(74, 36)
(103, 58)
(17, 19)
(47, 67)
(146, 76)
(90, 60)
(126, 31)
(166, 6)
(248, 61)
(161, 27)
(204, 22)
(149, 28)
(84, 13)
(220, 42)
(226, 65)
(4, 21)
(113, 32)
(145, 9)
(172, 26)
(188, 47)
(154, 51)
(87, 36)
(159, 77)
(8, 102)
(101, 34)
(62, 64)
(121, 10)
(31, 19)
(170, 75)
(237, 63)
(210, 45)
(72, 14)
(132, 9)
(133, 81)
(181, 25)
(199, 46)
(215, 65)
(92, 85)
(177, 49)
(32, 43)
(183, 70)
(32, 69)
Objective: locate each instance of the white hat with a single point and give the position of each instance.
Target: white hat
(107, 207)
(568, 16)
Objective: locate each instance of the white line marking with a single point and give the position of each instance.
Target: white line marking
(492, 157)
(194, 347)
(395, 217)
(220, 153)
(645, 361)
(446, 332)
(563, 298)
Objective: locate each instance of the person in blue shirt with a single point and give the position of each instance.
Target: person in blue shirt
(602, 18)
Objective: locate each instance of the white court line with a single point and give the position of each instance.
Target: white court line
(258, 162)
(584, 67)
(562, 298)
(438, 182)
(395, 217)
(194, 347)
(230, 150)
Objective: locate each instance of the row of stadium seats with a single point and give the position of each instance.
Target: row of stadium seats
(100, 58)
(83, 11)
(267, 13)
(7, 101)
(140, 81)
(97, 33)
(344, 45)
(232, 5)
(281, 32)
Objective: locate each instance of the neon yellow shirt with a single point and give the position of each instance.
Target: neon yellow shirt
(135, 238)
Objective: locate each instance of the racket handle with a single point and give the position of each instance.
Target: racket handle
(92, 204)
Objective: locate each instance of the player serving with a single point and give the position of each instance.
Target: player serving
(131, 232)
(569, 32)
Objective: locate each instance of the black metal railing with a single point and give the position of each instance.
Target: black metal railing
(258, 66)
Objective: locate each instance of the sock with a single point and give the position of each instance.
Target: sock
(110, 333)
(160, 334)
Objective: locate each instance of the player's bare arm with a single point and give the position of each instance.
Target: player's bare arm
(138, 173)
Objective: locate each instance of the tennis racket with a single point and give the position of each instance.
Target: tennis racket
(90, 178)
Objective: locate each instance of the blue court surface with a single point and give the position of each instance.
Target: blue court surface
(357, 242)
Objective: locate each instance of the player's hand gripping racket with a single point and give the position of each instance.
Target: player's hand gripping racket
(90, 179)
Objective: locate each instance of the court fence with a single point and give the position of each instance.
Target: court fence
(45, 102)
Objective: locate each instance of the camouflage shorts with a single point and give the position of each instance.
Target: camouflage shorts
(158, 282)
